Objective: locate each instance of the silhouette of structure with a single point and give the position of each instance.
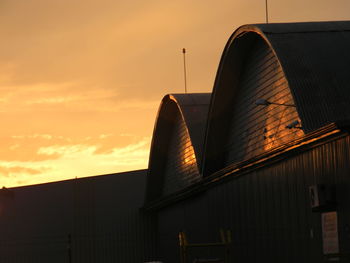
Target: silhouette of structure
(94, 219)
(264, 160)
(275, 175)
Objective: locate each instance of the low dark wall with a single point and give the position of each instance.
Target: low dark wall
(94, 219)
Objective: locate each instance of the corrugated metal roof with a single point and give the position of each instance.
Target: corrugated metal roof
(304, 27)
(194, 110)
(315, 58)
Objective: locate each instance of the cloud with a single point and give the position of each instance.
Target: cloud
(104, 136)
(52, 100)
(124, 46)
(18, 170)
(24, 147)
(76, 74)
(66, 151)
(92, 156)
(36, 136)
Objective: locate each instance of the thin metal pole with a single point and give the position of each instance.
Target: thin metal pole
(266, 12)
(185, 73)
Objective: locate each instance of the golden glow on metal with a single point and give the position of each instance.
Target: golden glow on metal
(189, 156)
(278, 116)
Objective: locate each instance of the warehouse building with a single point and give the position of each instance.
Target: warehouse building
(257, 171)
(275, 164)
(93, 219)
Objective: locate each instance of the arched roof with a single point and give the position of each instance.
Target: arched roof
(315, 58)
(193, 109)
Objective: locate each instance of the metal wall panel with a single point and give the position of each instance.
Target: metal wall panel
(181, 167)
(100, 214)
(268, 210)
(255, 128)
(191, 217)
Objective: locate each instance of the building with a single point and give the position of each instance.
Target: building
(94, 219)
(275, 163)
(257, 171)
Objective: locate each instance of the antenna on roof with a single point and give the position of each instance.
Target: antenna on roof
(184, 56)
(266, 12)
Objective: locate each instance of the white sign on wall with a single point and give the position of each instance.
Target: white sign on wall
(330, 233)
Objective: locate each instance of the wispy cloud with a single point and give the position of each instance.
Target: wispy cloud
(52, 100)
(81, 81)
(67, 151)
(36, 136)
(89, 157)
(13, 171)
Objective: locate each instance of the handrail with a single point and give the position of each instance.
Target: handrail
(185, 245)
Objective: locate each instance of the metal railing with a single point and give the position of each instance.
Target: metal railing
(185, 247)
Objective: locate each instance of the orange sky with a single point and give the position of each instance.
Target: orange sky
(81, 80)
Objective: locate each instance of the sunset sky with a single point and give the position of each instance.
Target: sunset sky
(81, 80)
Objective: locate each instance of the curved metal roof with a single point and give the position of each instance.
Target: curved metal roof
(315, 58)
(316, 61)
(193, 108)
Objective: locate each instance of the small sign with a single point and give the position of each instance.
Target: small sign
(314, 200)
(330, 233)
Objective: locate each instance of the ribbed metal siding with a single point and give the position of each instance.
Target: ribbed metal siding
(255, 129)
(126, 242)
(34, 249)
(268, 210)
(109, 227)
(100, 214)
(181, 166)
(316, 64)
(189, 216)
